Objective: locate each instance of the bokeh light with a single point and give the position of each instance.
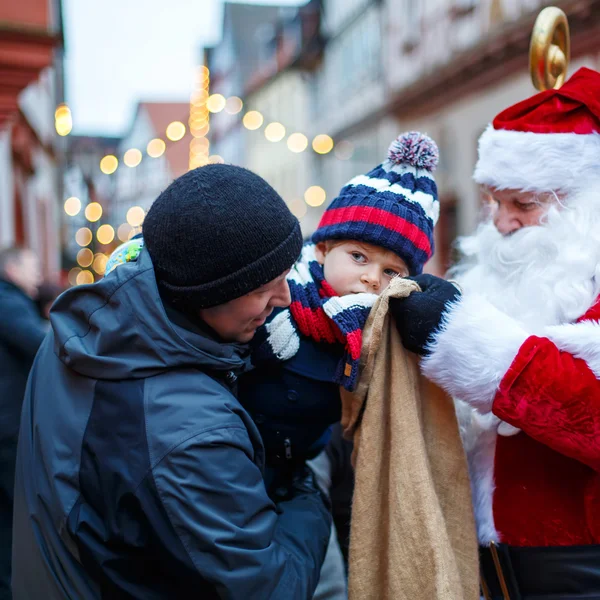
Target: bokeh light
(83, 236)
(123, 231)
(275, 132)
(298, 208)
(155, 148)
(215, 159)
(99, 264)
(63, 120)
(297, 142)
(216, 103)
(85, 257)
(84, 277)
(315, 195)
(109, 164)
(234, 105)
(253, 120)
(105, 234)
(93, 211)
(322, 144)
(133, 157)
(175, 131)
(72, 206)
(72, 276)
(135, 216)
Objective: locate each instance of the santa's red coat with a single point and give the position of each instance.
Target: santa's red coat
(545, 479)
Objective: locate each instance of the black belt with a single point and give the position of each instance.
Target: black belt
(552, 573)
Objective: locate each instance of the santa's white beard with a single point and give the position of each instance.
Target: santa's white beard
(542, 275)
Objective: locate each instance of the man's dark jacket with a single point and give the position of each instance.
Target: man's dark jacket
(139, 473)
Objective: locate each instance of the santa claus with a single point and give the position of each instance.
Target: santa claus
(521, 347)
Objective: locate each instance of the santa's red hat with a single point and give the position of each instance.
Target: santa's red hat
(549, 142)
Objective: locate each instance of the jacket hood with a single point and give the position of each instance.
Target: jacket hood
(118, 328)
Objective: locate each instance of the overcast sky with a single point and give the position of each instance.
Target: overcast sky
(122, 51)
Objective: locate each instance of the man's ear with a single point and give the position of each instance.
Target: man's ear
(321, 252)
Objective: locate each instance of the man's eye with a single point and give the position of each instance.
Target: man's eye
(526, 205)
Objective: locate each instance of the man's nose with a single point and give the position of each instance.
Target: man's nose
(505, 221)
(282, 297)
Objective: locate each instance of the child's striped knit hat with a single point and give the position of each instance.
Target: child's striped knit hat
(394, 206)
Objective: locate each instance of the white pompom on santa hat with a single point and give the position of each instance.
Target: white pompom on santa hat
(549, 142)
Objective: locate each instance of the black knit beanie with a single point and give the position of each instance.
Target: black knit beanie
(217, 233)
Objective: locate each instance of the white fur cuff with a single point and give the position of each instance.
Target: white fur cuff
(472, 351)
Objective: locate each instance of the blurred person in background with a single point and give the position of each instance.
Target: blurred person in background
(139, 473)
(48, 292)
(21, 333)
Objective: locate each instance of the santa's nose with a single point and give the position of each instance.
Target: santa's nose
(505, 221)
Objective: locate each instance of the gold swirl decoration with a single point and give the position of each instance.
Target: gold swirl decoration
(549, 50)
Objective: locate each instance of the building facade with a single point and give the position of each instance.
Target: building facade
(31, 87)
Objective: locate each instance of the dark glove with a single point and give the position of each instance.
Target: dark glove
(299, 482)
(419, 315)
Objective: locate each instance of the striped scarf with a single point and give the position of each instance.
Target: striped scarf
(318, 313)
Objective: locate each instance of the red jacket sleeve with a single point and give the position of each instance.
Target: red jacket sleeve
(554, 398)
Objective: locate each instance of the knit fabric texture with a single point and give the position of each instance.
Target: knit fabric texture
(394, 206)
(316, 312)
(217, 233)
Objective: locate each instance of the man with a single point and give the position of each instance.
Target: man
(522, 346)
(21, 333)
(139, 473)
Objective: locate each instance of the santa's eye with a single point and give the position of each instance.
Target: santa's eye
(525, 206)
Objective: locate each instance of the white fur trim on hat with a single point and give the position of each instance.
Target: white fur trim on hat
(537, 162)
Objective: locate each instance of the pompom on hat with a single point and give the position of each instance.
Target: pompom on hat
(394, 206)
(549, 142)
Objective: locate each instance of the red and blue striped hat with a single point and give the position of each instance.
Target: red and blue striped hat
(394, 206)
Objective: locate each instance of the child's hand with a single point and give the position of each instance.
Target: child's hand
(419, 315)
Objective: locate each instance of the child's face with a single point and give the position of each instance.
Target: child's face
(354, 267)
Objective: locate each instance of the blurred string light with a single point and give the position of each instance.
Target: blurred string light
(105, 234)
(99, 264)
(109, 164)
(252, 120)
(72, 206)
(135, 216)
(93, 212)
(298, 208)
(85, 257)
(155, 148)
(132, 158)
(72, 276)
(63, 121)
(123, 231)
(233, 105)
(216, 103)
(201, 105)
(83, 236)
(322, 144)
(175, 131)
(275, 132)
(84, 277)
(297, 142)
(315, 195)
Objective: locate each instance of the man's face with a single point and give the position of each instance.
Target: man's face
(238, 320)
(512, 210)
(24, 272)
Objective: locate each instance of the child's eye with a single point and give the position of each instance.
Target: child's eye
(391, 272)
(358, 257)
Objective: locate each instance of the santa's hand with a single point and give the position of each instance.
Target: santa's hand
(419, 315)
